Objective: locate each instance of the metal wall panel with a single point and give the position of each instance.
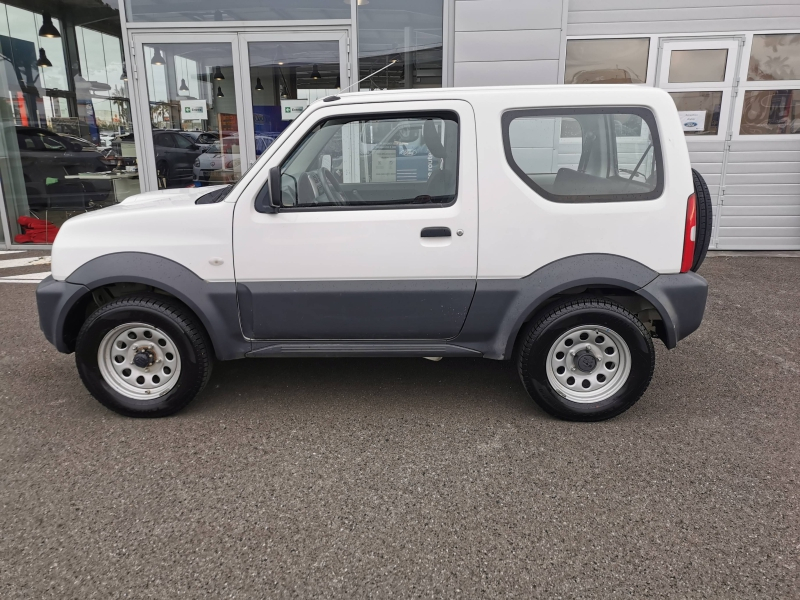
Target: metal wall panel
(509, 15)
(612, 17)
(513, 72)
(761, 198)
(507, 42)
(497, 46)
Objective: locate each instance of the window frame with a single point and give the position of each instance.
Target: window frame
(373, 116)
(647, 116)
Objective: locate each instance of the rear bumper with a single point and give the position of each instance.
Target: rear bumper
(680, 300)
(54, 300)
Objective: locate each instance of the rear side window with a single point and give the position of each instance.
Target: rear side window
(609, 154)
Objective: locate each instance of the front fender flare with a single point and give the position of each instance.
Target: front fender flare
(214, 303)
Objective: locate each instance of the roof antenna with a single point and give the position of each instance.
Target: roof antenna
(332, 98)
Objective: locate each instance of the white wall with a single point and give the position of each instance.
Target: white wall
(507, 42)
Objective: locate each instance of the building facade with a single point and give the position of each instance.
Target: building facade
(102, 99)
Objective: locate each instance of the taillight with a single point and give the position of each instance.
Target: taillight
(689, 235)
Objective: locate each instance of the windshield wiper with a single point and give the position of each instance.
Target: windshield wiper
(215, 196)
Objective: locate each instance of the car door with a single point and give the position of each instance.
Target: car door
(387, 256)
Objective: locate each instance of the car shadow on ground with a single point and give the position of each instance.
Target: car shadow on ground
(402, 383)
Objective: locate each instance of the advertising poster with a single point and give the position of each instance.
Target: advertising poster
(228, 134)
(693, 120)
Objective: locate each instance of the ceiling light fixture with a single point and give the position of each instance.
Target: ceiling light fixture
(219, 92)
(218, 76)
(47, 29)
(259, 87)
(183, 87)
(158, 58)
(124, 76)
(43, 60)
(315, 73)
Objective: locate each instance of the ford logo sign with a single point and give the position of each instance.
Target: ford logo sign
(690, 124)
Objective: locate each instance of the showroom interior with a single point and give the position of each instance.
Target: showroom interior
(103, 99)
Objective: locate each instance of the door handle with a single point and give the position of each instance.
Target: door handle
(435, 232)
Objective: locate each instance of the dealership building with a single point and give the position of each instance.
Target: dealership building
(102, 99)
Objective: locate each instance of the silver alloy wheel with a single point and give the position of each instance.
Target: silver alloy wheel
(139, 361)
(588, 364)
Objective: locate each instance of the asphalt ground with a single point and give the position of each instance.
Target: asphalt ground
(401, 478)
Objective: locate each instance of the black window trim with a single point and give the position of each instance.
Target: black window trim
(433, 113)
(645, 113)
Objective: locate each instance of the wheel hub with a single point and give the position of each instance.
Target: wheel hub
(144, 358)
(585, 361)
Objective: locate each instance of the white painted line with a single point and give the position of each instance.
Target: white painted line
(31, 261)
(27, 278)
(11, 251)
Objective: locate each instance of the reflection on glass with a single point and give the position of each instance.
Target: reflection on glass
(192, 93)
(410, 160)
(690, 66)
(59, 117)
(607, 61)
(770, 112)
(287, 77)
(774, 57)
(707, 105)
(409, 32)
(174, 11)
(576, 163)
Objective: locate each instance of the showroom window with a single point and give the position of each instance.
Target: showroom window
(608, 60)
(396, 160)
(65, 100)
(408, 32)
(771, 103)
(584, 154)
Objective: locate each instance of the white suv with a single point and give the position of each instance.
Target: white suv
(556, 226)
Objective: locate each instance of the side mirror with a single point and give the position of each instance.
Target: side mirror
(269, 197)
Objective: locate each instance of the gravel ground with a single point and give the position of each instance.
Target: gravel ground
(377, 478)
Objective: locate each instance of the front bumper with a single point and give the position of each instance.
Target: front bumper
(680, 300)
(54, 300)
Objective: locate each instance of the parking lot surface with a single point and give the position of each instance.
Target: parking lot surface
(378, 478)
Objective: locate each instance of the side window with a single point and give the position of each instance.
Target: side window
(586, 155)
(379, 160)
(182, 142)
(163, 140)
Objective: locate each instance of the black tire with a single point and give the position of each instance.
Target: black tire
(705, 219)
(161, 312)
(162, 172)
(546, 329)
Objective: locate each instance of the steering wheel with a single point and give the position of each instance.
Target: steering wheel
(330, 186)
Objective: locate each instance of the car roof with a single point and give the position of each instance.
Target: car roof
(586, 94)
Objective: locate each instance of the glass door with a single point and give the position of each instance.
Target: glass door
(191, 100)
(700, 76)
(282, 74)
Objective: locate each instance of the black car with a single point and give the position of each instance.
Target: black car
(47, 160)
(175, 156)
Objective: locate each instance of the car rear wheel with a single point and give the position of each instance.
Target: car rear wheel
(143, 356)
(704, 219)
(586, 360)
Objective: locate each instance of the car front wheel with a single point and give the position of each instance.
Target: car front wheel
(586, 360)
(143, 356)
